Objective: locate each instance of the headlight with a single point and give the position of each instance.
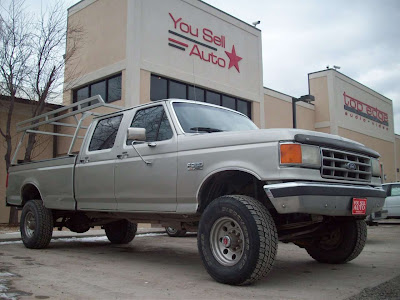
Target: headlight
(301, 155)
(376, 167)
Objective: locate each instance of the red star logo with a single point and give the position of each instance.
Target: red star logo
(234, 59)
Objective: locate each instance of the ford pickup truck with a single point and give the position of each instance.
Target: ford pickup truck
(196, 166)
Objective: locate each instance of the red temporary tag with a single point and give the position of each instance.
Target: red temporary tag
(359, 206)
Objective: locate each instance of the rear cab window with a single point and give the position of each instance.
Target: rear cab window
(105, 133)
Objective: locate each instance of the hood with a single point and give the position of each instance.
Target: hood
(236, 138)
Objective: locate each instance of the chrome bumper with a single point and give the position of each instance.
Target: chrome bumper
(322, 198)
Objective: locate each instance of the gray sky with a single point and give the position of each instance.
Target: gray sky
(300, 37)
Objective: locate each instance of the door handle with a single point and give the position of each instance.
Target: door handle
(123, 155)
(152, 144)
(85, 160)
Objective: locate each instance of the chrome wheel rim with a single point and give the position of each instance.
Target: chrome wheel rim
(29, 224)
(226, 241)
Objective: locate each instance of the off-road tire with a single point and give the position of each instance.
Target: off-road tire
(120, 232)
(38, 237)
(259, 239)
(172, 232)
(351, 243)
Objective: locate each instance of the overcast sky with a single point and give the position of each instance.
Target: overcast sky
(300, 37)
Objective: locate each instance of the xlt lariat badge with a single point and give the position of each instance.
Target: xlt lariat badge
(195, 166)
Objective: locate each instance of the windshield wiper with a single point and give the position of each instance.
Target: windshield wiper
(206, 129)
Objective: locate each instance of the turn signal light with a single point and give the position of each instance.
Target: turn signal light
(291, 154)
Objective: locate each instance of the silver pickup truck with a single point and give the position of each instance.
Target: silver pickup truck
(196, 166)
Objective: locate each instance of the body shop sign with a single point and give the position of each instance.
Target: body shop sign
(202, 43)
(365, 113)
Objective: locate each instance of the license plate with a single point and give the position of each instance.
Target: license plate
(359, 206)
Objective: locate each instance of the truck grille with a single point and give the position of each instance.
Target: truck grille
(343, 165)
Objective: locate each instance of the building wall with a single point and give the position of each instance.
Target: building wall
(101, 48)
(345, 107)
(318, 87)
(43, 149)
(135, 37)
(278, 111)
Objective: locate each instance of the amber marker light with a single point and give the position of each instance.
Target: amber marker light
(291, 154)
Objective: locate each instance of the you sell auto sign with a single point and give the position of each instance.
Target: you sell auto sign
(203, 43)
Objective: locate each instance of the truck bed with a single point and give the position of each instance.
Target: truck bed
(52, 177)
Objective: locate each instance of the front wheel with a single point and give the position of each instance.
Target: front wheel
(36, 225)
(237, 240)
(120, 232)
(343, 243)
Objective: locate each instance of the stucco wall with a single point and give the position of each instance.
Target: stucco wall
(319, 89)
(385, 149)
(43, 149)
(103, 38)
(278, 112)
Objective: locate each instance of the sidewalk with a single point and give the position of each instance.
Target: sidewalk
(65, 233)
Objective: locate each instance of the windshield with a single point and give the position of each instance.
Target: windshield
(206, 119)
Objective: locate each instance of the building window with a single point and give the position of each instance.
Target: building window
(164, 88)
(109, 89)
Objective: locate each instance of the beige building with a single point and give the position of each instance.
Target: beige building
(142, 50)
(137, 51)
(45, 146)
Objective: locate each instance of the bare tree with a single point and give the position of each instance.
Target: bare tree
(15, 52)
(48, 65)
(32, 63)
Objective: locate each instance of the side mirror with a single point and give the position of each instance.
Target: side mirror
(137, 134)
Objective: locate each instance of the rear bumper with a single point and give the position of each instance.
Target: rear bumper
(322, 198)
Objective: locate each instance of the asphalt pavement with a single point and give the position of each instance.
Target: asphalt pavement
(155, 266)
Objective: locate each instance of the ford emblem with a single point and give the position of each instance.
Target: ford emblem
(351, 166)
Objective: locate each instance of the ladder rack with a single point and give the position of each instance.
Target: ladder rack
(82, 108)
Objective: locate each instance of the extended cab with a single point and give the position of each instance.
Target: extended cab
(196, 166)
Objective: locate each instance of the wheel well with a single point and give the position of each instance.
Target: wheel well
(30, 192)
(232, 183)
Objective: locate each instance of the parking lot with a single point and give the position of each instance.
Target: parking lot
(155, 266)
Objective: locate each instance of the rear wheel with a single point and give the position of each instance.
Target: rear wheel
(173, 232)
(36, 225)
(120, 232)
(343, 243)
(237, 240)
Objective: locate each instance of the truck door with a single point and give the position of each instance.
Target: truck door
(94, 172)
(140, 186)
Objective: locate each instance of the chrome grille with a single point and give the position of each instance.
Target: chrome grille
(343, 165)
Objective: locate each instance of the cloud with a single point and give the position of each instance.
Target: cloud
(300, 37)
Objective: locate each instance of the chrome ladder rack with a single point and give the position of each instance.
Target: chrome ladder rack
(82, 107)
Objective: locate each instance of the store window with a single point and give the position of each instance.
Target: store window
(164, 88)
(109, 89)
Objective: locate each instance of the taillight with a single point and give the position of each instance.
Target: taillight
(7, 181)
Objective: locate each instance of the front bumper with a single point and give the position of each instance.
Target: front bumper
(322, 198)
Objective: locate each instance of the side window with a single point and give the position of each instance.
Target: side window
(105, 133)
(395, 190)
(156, 123)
